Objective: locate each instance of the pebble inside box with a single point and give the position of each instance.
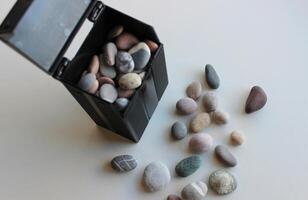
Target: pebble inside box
(42, 31)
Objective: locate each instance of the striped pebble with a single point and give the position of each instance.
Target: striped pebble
(124, 163)
(194, 191)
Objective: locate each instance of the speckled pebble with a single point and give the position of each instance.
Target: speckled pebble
(186, 106)
(115, 32)
(200, 122)
(212, 77)
(188, 166)
(125, 41)
(141, 54)
(200, 142)
(121, 103)
(225, 156)
(173, 197)
(237, 138)
(94, 65)
(194, 90)
(87, 81)
(222, 182)
(152, 45)
(220, 117)
(109, 53)
(124, 62)
(130, 81)
(256, 100)
(195, 191)
(210, 102)
(108, 93)
(156, 176)
(124, 163)
(179, 130)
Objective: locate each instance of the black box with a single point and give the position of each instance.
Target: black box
(42, 31)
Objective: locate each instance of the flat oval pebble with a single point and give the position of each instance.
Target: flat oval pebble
(225, 156)
(156, 176)
(115, 32)
(186, 106)
(188, 166)
(179, 130)
(256, 100)
(210, 102)
(195, 191)
(125, 93)
(106, 70)
(94, 65)
(220, 117)
(108, 93)
(194, 90)
(94, 87)
(126, 40)
(141, 54)
(130, 81)
(104, 79)
(121, 103)
(109, 53)
(173, 197)
(124, 62)
(211, 77)
(124, 163)
(87, 81)
(237, 138)
(152, 45)
(200, 142)
(200, 122)
(222, 182)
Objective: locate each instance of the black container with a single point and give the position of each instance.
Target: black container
(42, 31)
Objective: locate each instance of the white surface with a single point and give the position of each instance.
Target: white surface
(50, 149)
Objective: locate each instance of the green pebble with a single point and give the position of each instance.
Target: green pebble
(188, 166)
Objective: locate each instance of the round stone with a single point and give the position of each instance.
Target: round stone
(108, 93)
(179, 130)
(186, 106)
(94, 65)
(126, 40)
(124, 62)
(94, 87)
(173, 197)
(256, 100)
(188, 166)
(195, 191)
(210, 102)
(125, 93)
(109, 53)
(130, 81)
(141, 54)
(220, 117)
(237, 138)
(124, 163)
(222, 182)
(121, 103)
(200, 122)
(87, 81)
(156, 176)
(115, 32)
(225, 156)
(104, 79)
(152, 45)
(200, 142)
(194, 90)
(211, 77)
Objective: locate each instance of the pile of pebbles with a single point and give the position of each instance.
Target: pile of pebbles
(119, 70)
(222, 182)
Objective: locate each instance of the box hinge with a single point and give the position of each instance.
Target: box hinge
(96, 11)
(61, 69)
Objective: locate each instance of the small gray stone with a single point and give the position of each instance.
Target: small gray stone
(108, 93)
(124, 62)
(87, 81)
(212, 77)
(256, 100)
(188, 166)
(186, 106)
(130, 81)
(194, 90)
(124, 163)
(179, 130)
(121, 103)
(109, 53)
(225, 156)
(141, 54)
(106, 70)
(195, 191)
(156, 176)
(222, 182)
(115, 32)
(220, 117)
(200, 143)
(210, 102)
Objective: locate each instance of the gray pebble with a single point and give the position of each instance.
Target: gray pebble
(200, 143)
(222, 182)
(87, 81)
(225, 156)
(121, 103)
(179, 130)
(115, 32)
(124, 62)
(188, 166)
(212, 77)
(210, 102)
(194, 90)
(124, 163)
(108, 93)
(220, 117)
(109, 53)
(186, 106)
(141, 54)
(195, 191)
(130, 81)
(106, 70)
(156, 176)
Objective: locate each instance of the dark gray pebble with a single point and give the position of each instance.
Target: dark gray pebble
(179, 130)
(225, 156)
(212, 77)
(188, 166)
(256, 100)
(124, 163)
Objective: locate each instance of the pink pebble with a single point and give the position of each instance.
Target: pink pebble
(125, 93)
(94, 87)
(152, 45)
(125, 41)
(94, 65)
(103, 79)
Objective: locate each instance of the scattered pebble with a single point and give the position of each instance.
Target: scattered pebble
(152, 45)
(212, 77)
(108, 93)
(210, 102)
(124, 163)
(220, 117)
(194, 90)
(87, 81)
(200, 142)
(109, 53)
(179, 130)
(199, 122)
(237, 138)
(104, 79)
(94, 65)
(173, 197)
(141, 54)
(121, 103)
(225, 156)
(186, 106)
(256, 100)
(222, 182)
(130, 81)
(125, 41)
(195, 191)
(156, 176)
(188, 166)
(115, 32)
(125, 93)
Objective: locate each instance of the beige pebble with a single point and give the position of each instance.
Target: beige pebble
(94, 65)
(237, 138)
(94, 87)
(210, 102)
(130, 81)
(220, 117)
(194, 90)
(199, 122)
(152, 45)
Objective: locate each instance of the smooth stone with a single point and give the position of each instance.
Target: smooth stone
(130, 81)
(237, 138)
(173, 197)
(121, 103)
(156, 176)
(179, 130)
(188, 166)
(109, 53)
(186, 106)
(94, 65)
(87, 81)
(142, 75)
(141, 54)
(104, 79)
(195, 191)
(200, 143)
(124, 62)
(212, 77)
(152, 45)
(194, 90)
(256, 100)
(126, 40)
(108, 93)
(94, 87)
(200, 122)
(210, 102)
(125, 93)
(124, 163)
(220, 117)
(106, 70)
(115, 32)
(222, 182)
(225, 156)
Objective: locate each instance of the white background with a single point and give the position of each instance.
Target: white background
(51, 150)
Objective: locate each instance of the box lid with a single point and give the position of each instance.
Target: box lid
(42, 30)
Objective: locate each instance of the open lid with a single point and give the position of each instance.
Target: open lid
(42, 30)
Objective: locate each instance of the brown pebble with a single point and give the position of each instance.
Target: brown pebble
(152, 45)
(256, 100)
(126, 40)
(125, 93)
(199, 122)
(237, 138)
(210, 102)
(94, 65)
(173, 197)
(115, 32)
(194, 90)
(104, 79)
(220, 117)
